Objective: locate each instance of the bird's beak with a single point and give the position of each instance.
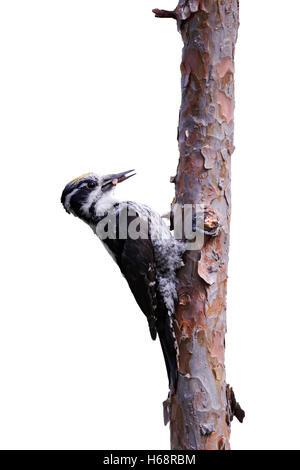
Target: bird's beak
(112, 180)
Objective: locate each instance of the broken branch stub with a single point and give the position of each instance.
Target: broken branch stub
(164, 13)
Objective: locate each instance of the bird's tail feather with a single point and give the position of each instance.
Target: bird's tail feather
(152, 326)
(167, 342)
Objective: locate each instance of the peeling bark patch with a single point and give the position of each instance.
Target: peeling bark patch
(209, 156)
(225, 106)
(228, 195)
(218, 372)
(223, 67)
(215, 306)
(218, 347)
(208, 271)
(206, 429)
(210, 263)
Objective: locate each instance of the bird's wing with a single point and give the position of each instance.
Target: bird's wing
(138, 267)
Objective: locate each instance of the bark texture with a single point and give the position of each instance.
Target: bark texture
(204, 405)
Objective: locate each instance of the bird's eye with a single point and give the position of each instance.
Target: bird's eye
(92, 184)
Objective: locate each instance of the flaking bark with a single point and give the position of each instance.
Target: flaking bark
(204, 405)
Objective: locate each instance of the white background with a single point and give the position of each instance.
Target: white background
(95, 86)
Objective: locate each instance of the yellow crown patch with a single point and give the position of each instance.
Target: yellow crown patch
(75, 180)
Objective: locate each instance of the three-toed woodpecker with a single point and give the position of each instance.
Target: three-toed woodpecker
(143, 247)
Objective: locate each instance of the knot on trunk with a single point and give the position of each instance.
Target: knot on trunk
(212, 223)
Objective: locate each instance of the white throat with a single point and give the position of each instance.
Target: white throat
(105, 203)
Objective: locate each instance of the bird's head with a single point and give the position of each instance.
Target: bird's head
(90, 194)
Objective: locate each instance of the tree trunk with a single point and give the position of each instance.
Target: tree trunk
(204, 406)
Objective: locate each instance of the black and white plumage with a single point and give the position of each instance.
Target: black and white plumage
(148, 261)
